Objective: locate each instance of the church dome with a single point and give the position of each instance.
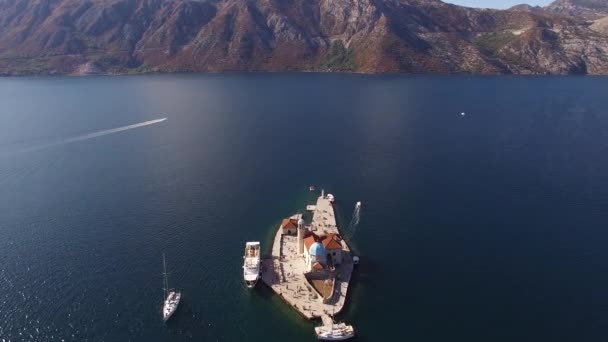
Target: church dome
(317, 251)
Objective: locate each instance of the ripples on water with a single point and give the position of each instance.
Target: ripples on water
(481, 227)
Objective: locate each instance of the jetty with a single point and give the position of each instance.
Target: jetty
(310, 265)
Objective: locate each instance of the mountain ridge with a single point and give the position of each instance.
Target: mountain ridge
(370, 36)
(589, 9)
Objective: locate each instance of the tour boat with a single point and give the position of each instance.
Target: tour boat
(251, 266)
(172, 296)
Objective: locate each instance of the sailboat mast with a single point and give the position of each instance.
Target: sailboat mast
(333, 312)
(165, 281)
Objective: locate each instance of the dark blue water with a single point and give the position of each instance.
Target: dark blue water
(486, 227)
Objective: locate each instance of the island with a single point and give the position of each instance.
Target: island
(310, 265)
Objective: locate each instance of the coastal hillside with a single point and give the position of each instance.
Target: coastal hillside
(591, 9)
(410, 36)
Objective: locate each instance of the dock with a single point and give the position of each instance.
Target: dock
(286, 271)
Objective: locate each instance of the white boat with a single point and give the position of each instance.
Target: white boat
(331, 331)
(331, 198)
(251, 266)
(172, 296)
(358, 205)
(337, 332)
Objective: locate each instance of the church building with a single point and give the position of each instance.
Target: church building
(322, 251)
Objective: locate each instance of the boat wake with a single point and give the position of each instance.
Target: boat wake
(354, 221)
(91, 135)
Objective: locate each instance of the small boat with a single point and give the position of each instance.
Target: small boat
(172, 296)
(331, 331)
(251, 266)
(358, 205)
(311, 188)
(331, 198)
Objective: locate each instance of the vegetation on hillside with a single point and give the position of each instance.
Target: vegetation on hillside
(340, 58)
(493, 42)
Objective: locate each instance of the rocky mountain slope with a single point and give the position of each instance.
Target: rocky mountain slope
(591, 9)
(127, 36)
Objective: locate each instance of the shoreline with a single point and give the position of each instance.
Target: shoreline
(271, 72)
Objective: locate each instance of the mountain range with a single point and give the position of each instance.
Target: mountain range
(369, 36)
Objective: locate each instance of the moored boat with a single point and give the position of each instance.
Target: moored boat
(331, 331)
(251, 265)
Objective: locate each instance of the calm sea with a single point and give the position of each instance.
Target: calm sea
(488, 226)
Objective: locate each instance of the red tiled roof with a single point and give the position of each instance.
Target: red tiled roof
(310, 239)
(331, 241)
(289, 224)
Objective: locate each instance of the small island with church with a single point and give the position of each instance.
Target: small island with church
(311, 265)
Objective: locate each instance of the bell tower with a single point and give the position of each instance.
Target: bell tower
(301, 233)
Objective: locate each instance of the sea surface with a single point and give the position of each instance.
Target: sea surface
(487, 226)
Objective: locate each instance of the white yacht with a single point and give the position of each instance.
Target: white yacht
(331, 331)
(172, 296)
(331, 198)
(251, 266)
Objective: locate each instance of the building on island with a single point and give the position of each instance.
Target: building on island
(322, 251)
(289, 226)
(301, 234)
(315, 255)
(333, 246)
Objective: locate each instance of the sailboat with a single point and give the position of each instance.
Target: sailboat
(332, 331)
(172, 296)
(335, 332)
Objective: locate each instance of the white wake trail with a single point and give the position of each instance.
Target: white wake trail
(91, 135)
(354, 221)
(111, 131)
